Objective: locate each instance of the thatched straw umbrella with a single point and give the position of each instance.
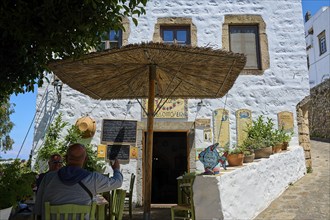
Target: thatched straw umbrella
(150, 70)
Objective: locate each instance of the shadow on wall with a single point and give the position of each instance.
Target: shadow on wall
(46, 111)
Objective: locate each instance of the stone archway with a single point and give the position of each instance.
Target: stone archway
(303, 130)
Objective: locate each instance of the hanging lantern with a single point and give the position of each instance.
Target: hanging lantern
(87, 126)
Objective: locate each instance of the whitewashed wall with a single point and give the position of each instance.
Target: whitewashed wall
(280, 88)
(319, 69)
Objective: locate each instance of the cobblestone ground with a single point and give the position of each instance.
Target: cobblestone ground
(309, 197)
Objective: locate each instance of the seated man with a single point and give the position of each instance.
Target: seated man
(74, 185)
(54, 163)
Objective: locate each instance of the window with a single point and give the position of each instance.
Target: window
(322, 43)
(112, 39)
(244, 39)
(175, 34)
(247, 34)
(175, 29)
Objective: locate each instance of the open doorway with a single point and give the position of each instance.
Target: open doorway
(169, 161)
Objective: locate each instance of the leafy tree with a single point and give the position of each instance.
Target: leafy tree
(55, 143)
(6, 109)
(34, 32)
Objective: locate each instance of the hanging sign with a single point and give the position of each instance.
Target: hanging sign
(101, 150)
(173, 108)
(118, 131)
(133, 154)
(243, 119)
(121, 152)
(221, 135)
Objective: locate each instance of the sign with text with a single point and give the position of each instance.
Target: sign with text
(118, 131)
(285, 121)
(173, 108)
(243, 119)
(121, 152)
(221, 127)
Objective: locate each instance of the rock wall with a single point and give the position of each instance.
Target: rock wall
(319, 111)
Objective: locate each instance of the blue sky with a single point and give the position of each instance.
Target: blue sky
(26, 104)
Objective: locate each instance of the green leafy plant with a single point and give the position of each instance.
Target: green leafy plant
(235, 150)
(55, 143)
(52, 29)
(6, 125)
(16, 183)
(260, 133)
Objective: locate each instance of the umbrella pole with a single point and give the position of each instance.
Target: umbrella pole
(148, 154)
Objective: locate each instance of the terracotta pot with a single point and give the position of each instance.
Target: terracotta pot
(285, 145)
(263, 152)
(235, 159)
(249, 158)
(277, 148)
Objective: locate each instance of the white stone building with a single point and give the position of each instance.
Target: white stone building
(275, 79)
(317, 38)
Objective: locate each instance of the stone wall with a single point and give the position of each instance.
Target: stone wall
(319, 111)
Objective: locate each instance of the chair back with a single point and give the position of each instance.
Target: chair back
(185, 191)
(131, 184)
(117, 204)
(69, 211)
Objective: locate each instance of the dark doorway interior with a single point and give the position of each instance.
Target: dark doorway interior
(169, 162)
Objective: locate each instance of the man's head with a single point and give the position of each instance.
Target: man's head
(76, 155)
(55, 162)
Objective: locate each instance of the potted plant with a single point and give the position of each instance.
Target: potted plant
(248, 155)
(235, 156)
(277, 141)
(260, 137)
(16, 183)
(285, 138)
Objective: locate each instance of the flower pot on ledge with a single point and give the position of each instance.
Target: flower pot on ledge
(263, 152)
(235, 159)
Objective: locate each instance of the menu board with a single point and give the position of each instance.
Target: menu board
(118, 131)
(121, 152)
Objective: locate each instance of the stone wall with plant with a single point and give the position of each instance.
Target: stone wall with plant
(319, 111)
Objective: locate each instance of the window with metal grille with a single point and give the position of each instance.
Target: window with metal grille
(245, 39)
(322, 43)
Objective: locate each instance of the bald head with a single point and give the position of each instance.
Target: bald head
(76, 155)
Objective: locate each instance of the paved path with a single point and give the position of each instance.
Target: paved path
(307, 199)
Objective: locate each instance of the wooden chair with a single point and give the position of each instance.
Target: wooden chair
(72, 210)
(129, 195)
(117, 204)
(185, 207)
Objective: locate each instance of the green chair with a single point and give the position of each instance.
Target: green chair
(129, 195)
(73, 210)
(185, 207)
(117, 204)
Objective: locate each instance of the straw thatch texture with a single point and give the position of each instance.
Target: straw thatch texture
(181, 72)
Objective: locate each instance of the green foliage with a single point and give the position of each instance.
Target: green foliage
(55, 143)
(234, 150)
(33, 33)
(260, 134)
(16, 183)
(6, 109)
